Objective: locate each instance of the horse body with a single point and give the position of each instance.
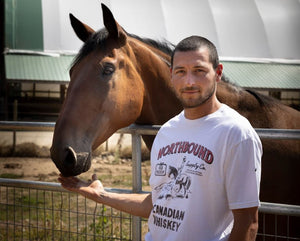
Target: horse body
(119, 79)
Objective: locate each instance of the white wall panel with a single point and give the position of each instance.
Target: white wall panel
(239, 28)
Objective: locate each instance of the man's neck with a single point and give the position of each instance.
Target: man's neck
(202, 110)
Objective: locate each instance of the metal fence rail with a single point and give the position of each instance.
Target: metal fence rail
(135, 223)
(279, 222)
(264, 133)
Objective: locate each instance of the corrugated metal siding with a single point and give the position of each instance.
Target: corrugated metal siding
(37, 68)
(245, 74)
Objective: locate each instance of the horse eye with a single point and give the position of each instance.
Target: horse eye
(108, 69)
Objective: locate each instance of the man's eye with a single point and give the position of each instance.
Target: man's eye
(108, 69)
(179, 71)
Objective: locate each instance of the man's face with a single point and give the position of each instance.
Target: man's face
(193, 77)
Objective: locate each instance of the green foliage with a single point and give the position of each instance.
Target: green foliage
(11, 175)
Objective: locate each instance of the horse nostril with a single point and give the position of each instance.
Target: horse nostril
(71, 157)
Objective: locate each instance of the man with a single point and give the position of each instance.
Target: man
(205, 161)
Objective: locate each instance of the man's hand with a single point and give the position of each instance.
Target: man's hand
(92, 189)
(138, 204)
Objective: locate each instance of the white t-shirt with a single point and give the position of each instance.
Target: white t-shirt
(200, 170)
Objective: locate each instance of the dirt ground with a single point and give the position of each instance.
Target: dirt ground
(112, 171)
(31, 160)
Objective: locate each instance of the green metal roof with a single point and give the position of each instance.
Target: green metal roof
(32, 68)
(263, 75)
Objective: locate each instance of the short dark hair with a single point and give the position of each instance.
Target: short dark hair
(193, 43)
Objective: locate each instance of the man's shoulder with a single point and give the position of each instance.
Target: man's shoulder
(236, 124)
(231, 115)
(173, 121)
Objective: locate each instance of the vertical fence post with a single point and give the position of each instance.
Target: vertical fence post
(15, 118)
(136, 181)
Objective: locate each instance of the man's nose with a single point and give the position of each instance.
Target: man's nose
(190, 79)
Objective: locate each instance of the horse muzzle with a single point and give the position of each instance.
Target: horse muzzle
(71, 163)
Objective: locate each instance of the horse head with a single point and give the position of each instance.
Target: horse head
(105, 94)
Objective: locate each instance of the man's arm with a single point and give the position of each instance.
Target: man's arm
(245, 224)
(135, 204)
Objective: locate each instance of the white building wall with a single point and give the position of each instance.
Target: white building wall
(239, 28)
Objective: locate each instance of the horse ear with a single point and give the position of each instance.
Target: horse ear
(82, 30)
(114, 29)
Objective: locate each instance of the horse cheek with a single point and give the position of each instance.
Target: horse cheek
(132, 107)
(131, 97)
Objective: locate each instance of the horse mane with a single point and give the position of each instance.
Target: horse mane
(164, 46)
(260, 98)
(264, 100)
(98, 41)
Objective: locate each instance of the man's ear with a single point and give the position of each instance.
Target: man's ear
(219, 72)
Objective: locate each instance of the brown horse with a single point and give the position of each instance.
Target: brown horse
(118, 79)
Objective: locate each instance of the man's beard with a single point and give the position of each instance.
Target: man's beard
(192, 103)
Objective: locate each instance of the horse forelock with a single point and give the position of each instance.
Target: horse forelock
(95, 42)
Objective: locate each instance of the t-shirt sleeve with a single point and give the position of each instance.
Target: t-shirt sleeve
(243, 173)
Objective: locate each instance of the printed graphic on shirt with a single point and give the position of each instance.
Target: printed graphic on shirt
(178, 186)
(195, 168)
(160, 169)
(167, 218)
(187, 147)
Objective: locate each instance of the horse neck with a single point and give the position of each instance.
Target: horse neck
(160, 102)
(242, 101)
(229, 94)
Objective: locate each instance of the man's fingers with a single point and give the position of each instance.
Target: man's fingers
(74, 183)
(68, 181)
